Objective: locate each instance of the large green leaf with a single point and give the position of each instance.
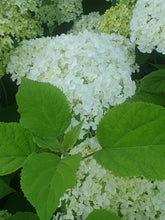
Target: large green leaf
(23, 216)
(44, 109)
(133, 140)
(103, 215)
(5, 189)
(154, 82)
(44, 179)
(15, 145)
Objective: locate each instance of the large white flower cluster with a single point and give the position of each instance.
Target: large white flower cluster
(148, 25)
(93, 70)
(89, 22)
(96, 188)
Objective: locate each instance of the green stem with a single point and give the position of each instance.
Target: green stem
(90, 154)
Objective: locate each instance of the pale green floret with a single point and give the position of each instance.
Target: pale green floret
(24, 19)
(57, 12)
(117, 19)
(16, 23)
(88, 22)
(4, 214)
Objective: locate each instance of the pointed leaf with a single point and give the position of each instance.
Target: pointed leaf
(15, 145)
(44, 109)
(23, 216)
(103, 215)
(133, 140)
(71, 137)
(45, 177)
(4, 189)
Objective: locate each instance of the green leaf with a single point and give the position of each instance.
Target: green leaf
(154, 82)
(44, 109)
(15, 145)
(159, 66)
(141, 96)
(5, 189)
(44, 179)
(103, 215)
(147, 161)
(133, 140)
(23, 216)
(71, 137)
(52, 144)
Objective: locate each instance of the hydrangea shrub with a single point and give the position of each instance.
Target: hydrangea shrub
(93, 70)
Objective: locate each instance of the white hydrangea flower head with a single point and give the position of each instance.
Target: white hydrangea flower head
(88, 22)
(148, 25)
(98, 188)
(93, 70)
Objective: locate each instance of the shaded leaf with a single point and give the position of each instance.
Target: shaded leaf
(154, 82)
(45, 177)
(141, 96)
(16, 202)
(159, 66)
(23, 216)
(9, 113)
(5, 189)
(15, 145)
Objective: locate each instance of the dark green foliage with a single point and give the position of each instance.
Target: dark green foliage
(23, 216)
